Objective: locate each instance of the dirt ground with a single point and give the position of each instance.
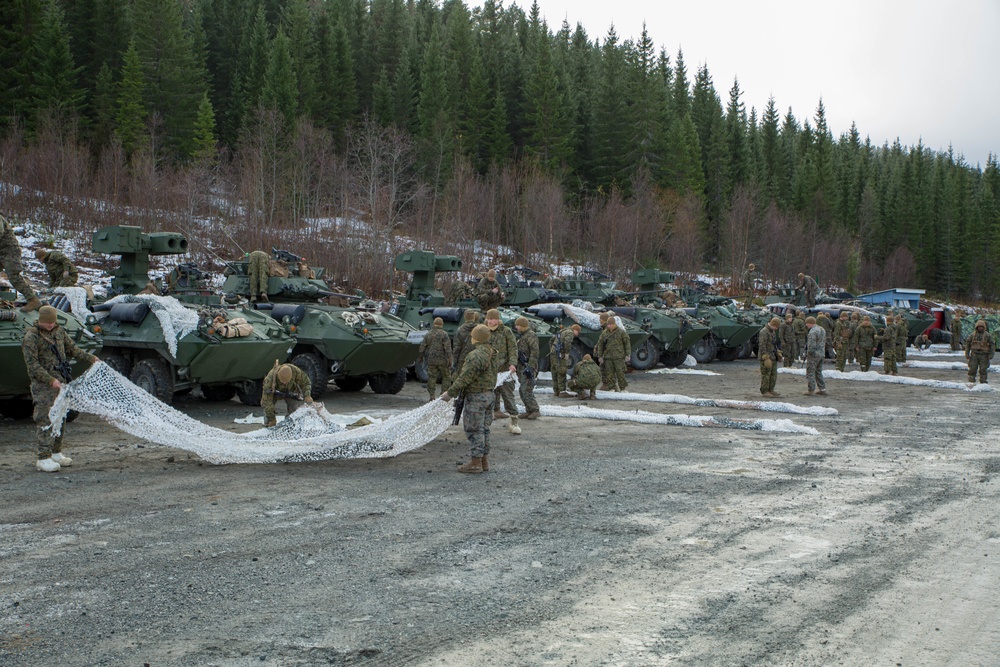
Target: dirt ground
(589, 543)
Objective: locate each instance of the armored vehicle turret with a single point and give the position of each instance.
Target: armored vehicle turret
(672, 330)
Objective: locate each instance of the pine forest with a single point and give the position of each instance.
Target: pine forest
(252, 123)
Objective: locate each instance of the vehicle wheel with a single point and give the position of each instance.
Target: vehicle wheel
(704, 350)
(939, 336)
(153, 376)
(251, 392)
(576, 356)
(388, 383)
(728, 353)
(352, 383)
(16, 408)
(419, 369)
(218, 392)
(674, 359)
(746, 350)
(646, 356)
(315, 367)
(118, 362)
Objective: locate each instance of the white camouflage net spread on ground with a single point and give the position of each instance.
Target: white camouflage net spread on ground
(175, 320)
(764, 406)
(870, 376)
(311, 434)
(643, 417)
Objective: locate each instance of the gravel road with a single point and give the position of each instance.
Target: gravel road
(589, 543)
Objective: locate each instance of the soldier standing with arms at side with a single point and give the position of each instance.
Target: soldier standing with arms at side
(527, 367)
(801, 331)
(489, 293)
(888, 339)
(815, 354)
(503, 343)
(769, 355)
(259, 270)
(855, 323)
(285, 382)
(956, 330)
(842, 339)
(863, 342)
(614, 352)
(979, 349)
(61, 271)
(10, 261)
(463, 343)
(750, 284)
(825, 322)
(47, 349)
(902, 335)
(559, 358)
(435, 351)
(475, 381)
(786, 336)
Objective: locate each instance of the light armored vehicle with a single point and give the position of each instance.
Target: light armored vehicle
(354, 346)
(165, 346)
(561, 315)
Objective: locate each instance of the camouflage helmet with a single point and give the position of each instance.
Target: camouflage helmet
(587, 357)
(774, 323)
(844, 315)
(857, 316)
(751, 266)
(481, 333)
(810, 320)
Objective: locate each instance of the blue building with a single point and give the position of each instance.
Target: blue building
(895, 298)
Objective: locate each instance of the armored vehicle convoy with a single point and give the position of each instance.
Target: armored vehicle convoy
(15, 386)
(165, 346)
(353, 346)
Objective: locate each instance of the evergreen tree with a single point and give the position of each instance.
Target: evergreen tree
(611, 134)
(770, 148)
(280, 86)
(132, 114)
(53, 86)
(19, 22)
(204, 133)
(103, 109)
(299, 26)
(548, 119)
(433, 110)
(736, 136)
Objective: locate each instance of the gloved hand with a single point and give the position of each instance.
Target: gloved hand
(309, 399)
(445, 396)
(271, 422)
(768, 363)
(779, 356)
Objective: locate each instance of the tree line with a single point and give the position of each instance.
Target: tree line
(454, 125)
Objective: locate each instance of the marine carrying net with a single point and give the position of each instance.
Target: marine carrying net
(311, 434)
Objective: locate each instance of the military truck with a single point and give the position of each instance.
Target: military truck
(354, 346)
(135, 342)
(15, 386)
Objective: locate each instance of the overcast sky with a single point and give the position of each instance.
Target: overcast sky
(899, 68)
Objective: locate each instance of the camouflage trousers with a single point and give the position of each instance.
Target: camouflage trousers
(559, 369)
(814, 373)
(477, 416)
(979, 361)
(790, 355)
(10, 262)
(768, 376)
(527, 392)
(956, 344)
(901, 353)
(889, 361)
(290, 403)
(577, 386)
(613, 373)
(865, 358)
(438, 373)
(259, 272)
(505, 396)
(800, 348)
(843, 350)
(67, 280)
(44, 396)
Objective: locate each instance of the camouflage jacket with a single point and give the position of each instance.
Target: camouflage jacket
(979, 341)
(45, 351)
(816, 342)
(786, 334)
(563, 341)
(842, 333)
(615, 345)
(587, 374)
(484, 294)
(865, 337)
(463, 343)
(57, 264)
(477, 375)
(435, 348)
(297, 389)
(827, 326)
(766, 347)
(809, 284)
(503, 342)
(799, 327)
(956, 328)
(887, 337)
(527, 344)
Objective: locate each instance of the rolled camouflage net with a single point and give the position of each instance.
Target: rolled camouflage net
(763, 406)
(585, 318)
(871, 376)
(77, 297)
(643, 417)
(311, 434)
(936, 365)
(175, 319)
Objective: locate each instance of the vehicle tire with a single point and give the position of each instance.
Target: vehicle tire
(251, 392)
(17, 408)
(939, 336)
(118, 362)
(728, 353)
(704, 350)
(218, 392)
(746, 350)
(354, 383)
(153, 376)
(419, 369)
(388, 383)
(315, 367)
(576, 356)
(674, 359)
(646, 356)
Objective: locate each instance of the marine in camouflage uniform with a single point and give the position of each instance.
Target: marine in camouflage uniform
(586, 377)
(10, 262)
(489, 293)
(463, 343)
(979, 349)
(750, 284)
(459, 290)
(815, 354)
(769, 356)
(824, 321)
(47, 350)
(902, 335)
(475, 382)
(922, 342)
(888, 339)
(956, 331)
(435, 352)
(559, 357)
(527, 358)
(505, 345)
(603, 317)
(286, 382)
(259, 270)
(61, 271)
(855, 323)
(863, 342)
(811, 289)
(613, 351)
(801, 331)
(842, 336)
(786, 336)
(552, 282)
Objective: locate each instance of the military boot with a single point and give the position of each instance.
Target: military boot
(485, 463)
(604, 387)
(474, 466)
(534, 414)
(513, 427)
(263, 298)
(593, 394)
(33, 304)
(499, 414)
(582, 395)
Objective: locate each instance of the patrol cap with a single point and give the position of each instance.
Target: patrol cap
(493, 314)
(284, 373)
(40, 253)
(438, 322)
(481, 333)
(47, 315)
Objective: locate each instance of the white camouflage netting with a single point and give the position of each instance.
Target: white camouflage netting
(643, 417)
(934, 351)
(871, 376)
(583, 317)
(77, 297)
(176, 321)
(764, 406)
(937, 365)
(681, 371)
(311, 434)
